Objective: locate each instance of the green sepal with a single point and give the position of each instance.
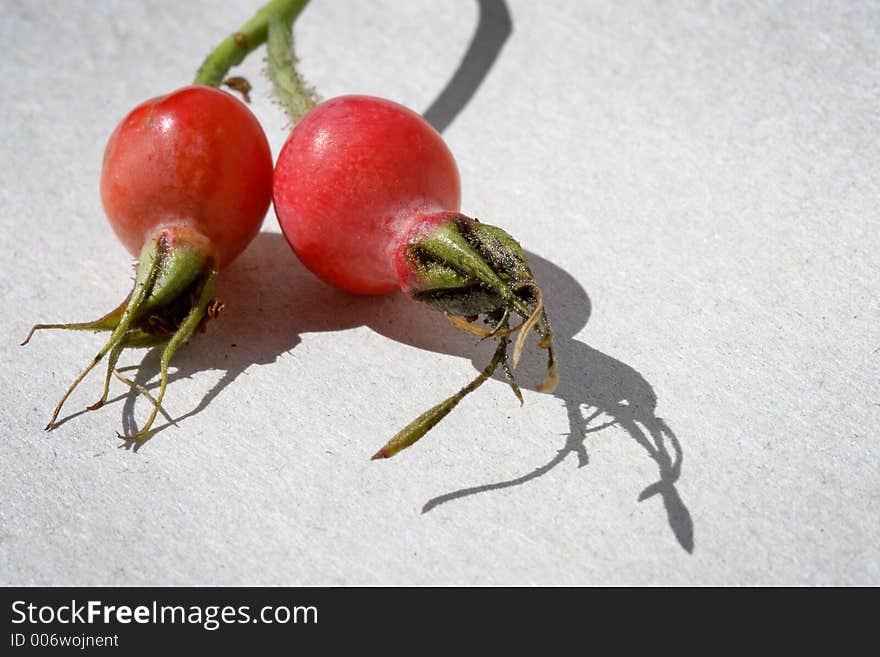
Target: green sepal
(172, 297)
(177, 268)
(412, 432)
(465, 269)
(447, 258)
(505, 254)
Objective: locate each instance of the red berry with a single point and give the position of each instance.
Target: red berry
(354, 176)
(197, 158)
(368, 194)
(186, 181)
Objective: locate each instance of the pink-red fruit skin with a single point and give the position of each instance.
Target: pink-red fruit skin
(357, 176)
(195, 159)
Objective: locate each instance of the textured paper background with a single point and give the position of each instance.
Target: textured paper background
(697, 184)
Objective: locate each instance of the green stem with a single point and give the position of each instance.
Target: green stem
(234, 48)
(296, 98)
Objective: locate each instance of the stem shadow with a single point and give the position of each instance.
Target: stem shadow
(494, 26)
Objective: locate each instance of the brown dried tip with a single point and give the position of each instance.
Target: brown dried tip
(241, 85)
(381, 454)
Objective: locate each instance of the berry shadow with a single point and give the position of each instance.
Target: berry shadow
(270, 301)
(270, 285)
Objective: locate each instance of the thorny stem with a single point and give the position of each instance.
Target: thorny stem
(296, 98)
(234, 48)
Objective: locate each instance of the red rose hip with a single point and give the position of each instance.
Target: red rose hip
(185, 184)
(368, 196)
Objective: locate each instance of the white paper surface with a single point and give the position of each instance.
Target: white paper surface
(698, 186)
